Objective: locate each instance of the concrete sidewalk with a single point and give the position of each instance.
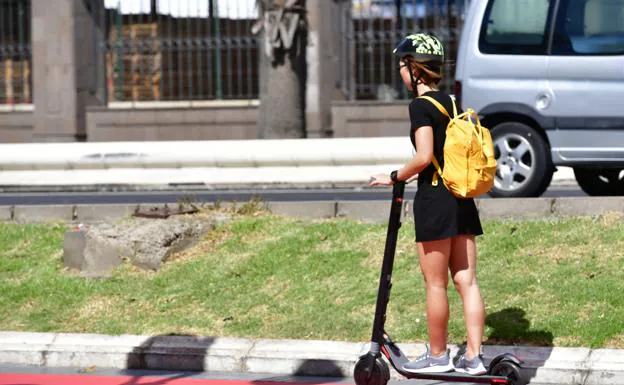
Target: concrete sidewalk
(543, 365)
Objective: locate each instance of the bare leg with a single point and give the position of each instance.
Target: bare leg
(463, 266)
(434, 264)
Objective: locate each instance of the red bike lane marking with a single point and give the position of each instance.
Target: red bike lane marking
(79, 379)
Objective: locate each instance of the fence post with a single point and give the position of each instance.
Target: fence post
(66, 76)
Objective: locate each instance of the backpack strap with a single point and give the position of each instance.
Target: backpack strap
(434, 181)
(441, 108)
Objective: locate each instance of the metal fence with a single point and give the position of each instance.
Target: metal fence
(15, 52)
(370, 71)
(195, 50)
(171, 50)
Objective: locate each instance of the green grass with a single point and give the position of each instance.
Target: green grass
(263, 276)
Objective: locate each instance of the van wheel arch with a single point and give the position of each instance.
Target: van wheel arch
(526, 127)
(493, 120)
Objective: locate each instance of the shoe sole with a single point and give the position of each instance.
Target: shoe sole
(475, 372)
(432, 369)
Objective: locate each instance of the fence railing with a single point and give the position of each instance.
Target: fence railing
(376, 27)
(192, 50)
(171, 50)
(15, 53)
(166, 50)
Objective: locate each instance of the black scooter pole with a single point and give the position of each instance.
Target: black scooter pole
(385, 280)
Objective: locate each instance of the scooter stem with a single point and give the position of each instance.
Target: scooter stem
(385, 279)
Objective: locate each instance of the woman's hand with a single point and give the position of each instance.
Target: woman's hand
(380, 180)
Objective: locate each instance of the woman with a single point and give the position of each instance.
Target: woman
(446, 226)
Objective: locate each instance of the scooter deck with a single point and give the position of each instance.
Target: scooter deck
(458, 377)
(397, 359)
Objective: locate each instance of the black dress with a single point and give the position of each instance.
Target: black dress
(438, 214)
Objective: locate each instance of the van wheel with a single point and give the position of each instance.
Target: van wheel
(524, 164)
(600, 181)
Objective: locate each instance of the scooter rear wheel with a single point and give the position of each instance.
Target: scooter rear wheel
(379, 374)
(510, 370)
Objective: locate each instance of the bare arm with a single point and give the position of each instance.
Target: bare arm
(423, 137)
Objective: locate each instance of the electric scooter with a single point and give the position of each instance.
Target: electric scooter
(371, 369)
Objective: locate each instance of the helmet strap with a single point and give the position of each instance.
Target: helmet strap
(414, 83)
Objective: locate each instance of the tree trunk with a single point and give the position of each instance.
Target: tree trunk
(282, 73)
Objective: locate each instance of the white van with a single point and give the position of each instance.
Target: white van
(547, 78)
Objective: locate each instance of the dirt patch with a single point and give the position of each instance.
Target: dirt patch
(99, 248)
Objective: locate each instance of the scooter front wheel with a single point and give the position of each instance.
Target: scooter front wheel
(510, 370)
(376, 374)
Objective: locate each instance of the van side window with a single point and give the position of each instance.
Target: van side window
(515, 27)
(592, 27)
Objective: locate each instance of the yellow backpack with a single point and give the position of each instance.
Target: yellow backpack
(469, 162)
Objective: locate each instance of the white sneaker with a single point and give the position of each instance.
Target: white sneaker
(474, 367)
(430, 364)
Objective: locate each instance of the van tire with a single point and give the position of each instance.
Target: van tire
(537, 154)
(600, 181)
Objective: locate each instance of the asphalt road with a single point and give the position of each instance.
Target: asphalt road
(174, 196)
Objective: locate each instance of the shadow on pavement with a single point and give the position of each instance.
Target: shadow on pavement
(309, 372)
(185, 364)
(510, 327)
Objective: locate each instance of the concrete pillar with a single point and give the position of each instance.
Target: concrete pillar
(66, 67)
(323, 81)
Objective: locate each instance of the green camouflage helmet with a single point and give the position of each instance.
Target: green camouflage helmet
(423, 47)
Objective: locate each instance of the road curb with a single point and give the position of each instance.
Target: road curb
(373, 211)
(544, 365)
